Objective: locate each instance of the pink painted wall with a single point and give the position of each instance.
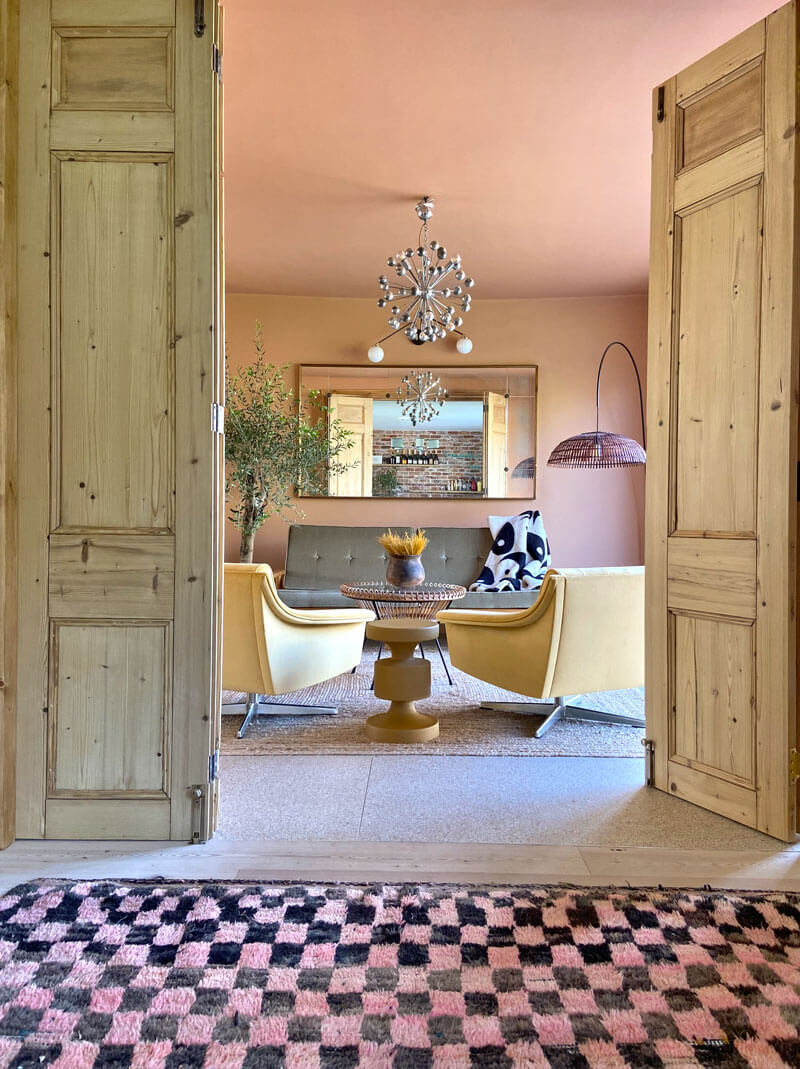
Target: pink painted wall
(592, 517)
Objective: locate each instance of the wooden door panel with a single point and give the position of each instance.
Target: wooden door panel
(124, 69)
(94, 576)
(714, 792)
(112, 282)
(713, 576)
(112, 131)
(736, 166)
(109, 818)
(727, 113)
(109, 733)
(102, 13)
(719, 256)
(122, 529)
(721, 573)
(715, 696)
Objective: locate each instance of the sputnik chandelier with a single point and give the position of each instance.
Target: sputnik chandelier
(425, 301)
(420, 396)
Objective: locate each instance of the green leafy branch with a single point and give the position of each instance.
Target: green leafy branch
(275, 444)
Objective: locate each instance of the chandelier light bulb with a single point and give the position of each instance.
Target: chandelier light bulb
(464, 346)
(375, 354)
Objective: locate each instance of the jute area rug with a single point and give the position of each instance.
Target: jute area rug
(464, 728)
(175, 975)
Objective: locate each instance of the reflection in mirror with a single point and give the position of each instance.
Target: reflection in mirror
(478, 440)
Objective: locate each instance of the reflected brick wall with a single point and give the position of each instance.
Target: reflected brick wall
(460, 457)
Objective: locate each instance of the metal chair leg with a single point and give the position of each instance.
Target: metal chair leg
(444, 662)
(380, 651)
(252, 709)
(600, 716)
(256, 708)
(550, 714)
(562, 711)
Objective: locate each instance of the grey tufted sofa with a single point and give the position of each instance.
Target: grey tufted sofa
(319, 559)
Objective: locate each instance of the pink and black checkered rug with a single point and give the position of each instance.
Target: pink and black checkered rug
(165, 975)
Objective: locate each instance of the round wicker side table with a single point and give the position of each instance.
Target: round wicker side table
(421, 602)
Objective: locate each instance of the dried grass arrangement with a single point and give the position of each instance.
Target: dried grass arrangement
(408, 544)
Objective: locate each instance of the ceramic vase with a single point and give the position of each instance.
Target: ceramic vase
(404, 572)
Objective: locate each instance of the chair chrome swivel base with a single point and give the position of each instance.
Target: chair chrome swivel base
(560, 710)
(264, 708)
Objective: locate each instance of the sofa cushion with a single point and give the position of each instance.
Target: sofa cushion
(310, 598)
(323, 557)
(305, 598)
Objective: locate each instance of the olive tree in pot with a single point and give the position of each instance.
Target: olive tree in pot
(275, 445)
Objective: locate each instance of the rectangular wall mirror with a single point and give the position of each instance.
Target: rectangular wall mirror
(480, 441)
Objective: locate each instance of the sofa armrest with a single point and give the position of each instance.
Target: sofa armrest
(279, 577)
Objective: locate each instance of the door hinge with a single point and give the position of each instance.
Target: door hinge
(649, 762)
(216, 62)
(217, 419)
(213, 766)
(660, 104)
(794, 765)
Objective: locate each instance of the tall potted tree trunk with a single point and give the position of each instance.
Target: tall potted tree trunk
(275, 442)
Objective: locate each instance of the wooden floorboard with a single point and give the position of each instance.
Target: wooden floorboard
(391, 861)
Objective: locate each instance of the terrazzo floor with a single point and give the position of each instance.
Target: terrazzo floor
(566, 801)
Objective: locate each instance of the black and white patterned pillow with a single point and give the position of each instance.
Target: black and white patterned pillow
(520, 554)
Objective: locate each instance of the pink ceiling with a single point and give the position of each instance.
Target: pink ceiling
(527, 120)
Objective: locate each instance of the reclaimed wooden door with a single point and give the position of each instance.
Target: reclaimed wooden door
(119, 394)
(722, 475)
(355, 415)
(495, 444)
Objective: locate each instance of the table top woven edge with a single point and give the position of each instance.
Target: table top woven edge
(434, 592)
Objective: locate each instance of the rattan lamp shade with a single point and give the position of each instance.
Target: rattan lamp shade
(597, 449)
(526, 469)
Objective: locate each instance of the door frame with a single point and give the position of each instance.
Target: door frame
(9, 59)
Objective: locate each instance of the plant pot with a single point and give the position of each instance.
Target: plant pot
(404, 572)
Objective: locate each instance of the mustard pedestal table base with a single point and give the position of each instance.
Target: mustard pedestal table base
(403, 679)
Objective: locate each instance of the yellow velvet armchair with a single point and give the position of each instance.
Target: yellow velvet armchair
(269, 648)
(584, 633)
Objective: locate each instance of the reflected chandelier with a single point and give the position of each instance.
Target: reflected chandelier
(426, 300)
(420, 396)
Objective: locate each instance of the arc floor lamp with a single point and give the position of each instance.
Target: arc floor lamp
(602, 449)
